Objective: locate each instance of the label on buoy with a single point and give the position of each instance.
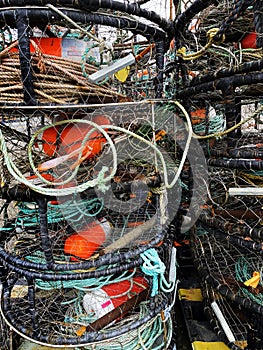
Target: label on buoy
(97, 302)
(113, 295)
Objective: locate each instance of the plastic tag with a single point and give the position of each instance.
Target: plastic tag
(253, 281)
(172, 270)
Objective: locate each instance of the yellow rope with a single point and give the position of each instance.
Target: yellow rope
(251, 176)
(247, 178)
(252, 179)
(192, 56)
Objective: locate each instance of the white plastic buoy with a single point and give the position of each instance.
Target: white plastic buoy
(229, 334)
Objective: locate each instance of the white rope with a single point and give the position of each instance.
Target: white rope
(16, 173)
(100, 180)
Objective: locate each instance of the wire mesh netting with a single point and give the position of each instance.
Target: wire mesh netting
(111, 116)
(79, 222)
(219, 47)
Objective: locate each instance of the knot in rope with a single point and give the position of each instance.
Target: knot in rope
(152, 266)
(167, 313)
(211, 34)
(158, 190)
(41, 66)
(101, 181)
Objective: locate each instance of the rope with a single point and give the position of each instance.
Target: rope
(59, 212)
(87, 284)
(154, 267)
(192, 56)
(91, 36)
(250, 177)
(216, 125)
(63, 83)
(150, 332)
(91, 60)
(239, 7)
(101, 179)
(234, 127)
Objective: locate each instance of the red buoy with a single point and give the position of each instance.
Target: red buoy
(111, 296)
(249, 41)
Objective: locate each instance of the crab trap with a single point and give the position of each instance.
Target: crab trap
(218, 69)
(86, 203)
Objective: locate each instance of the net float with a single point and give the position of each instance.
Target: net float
(70, 144)
(84, 243)
(73, 135)
(249, 41)
(50, 138)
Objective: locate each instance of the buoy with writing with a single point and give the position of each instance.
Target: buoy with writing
(103, 300)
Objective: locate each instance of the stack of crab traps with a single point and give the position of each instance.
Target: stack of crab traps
(90, 177)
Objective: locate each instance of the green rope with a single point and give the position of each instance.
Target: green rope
(154, 267)
(253, 172)
(88, 59)
(87, 284)
(244, 269)
(29, 216)
(149, 336)
(215, 125)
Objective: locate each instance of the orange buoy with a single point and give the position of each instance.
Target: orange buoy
(85, 242)
(198, 115)
(70, 144)
(79, 246)
(50, 141)
(93, 145)
(72, 136)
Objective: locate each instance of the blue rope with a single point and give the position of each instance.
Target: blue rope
(152, 266)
